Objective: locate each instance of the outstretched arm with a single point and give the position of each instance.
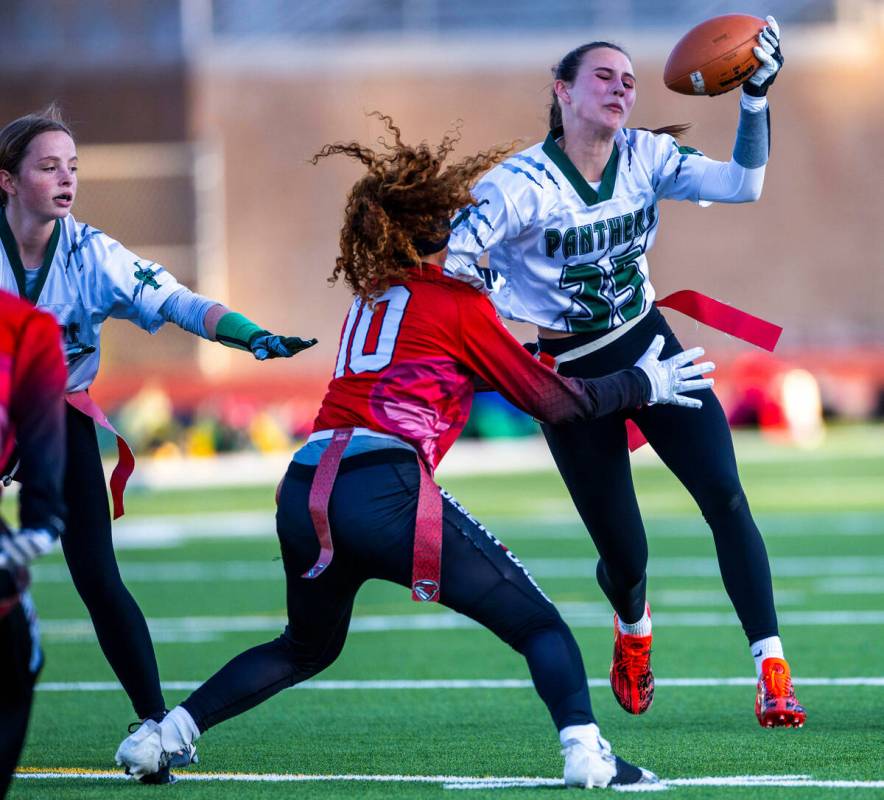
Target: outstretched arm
(216, 322)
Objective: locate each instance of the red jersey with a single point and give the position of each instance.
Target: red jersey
(32, 381)
(408, 367)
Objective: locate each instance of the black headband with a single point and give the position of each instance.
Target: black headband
(426, 247)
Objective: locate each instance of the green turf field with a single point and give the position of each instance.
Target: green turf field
(214, 586)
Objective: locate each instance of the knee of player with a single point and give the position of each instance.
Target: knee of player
(310, 654)
(101, 587)
(722, 496)
(523, 634)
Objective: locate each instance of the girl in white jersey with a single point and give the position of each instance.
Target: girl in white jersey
(567, 224)
(82, 277)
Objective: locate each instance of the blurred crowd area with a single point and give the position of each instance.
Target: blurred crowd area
(789, 403)
(196, 121)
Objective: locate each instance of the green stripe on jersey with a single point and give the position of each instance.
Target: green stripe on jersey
(576, 179)
(18, 270)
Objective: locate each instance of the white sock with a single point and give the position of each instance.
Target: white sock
(583, 733)
(178, 730)
(771, 647)
(640, 628)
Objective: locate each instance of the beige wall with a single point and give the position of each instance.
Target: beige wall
(808, 255)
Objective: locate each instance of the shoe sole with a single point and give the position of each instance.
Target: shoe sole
(159, 778)
(782, 719)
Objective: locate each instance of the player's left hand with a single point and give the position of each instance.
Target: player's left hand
(768, 53)
(266, 345)
(674, 375)
(18, 550)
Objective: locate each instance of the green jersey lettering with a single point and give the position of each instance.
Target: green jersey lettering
(585, 239)
(553, 239)
(569, 243)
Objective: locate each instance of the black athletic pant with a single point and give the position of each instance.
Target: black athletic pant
(17, 675)
(696, 445)
(88, 548)
(372, 516)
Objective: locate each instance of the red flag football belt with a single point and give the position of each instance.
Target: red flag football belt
(427, 561)
(723, 317)
(125, 459)
(720, 316)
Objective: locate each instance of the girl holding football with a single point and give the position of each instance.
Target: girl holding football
(359, 502)
(82, 276)
(567, 224)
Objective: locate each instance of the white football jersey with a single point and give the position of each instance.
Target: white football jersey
(91, 277)
(562, 254)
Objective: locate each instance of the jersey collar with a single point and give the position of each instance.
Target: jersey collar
(589, 195)
(18, 269)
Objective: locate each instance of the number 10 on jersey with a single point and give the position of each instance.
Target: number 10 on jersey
(370, 333)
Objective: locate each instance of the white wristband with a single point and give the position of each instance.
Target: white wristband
(752, 104)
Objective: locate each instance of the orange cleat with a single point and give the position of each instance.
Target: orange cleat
(775, 703)
(631, 678)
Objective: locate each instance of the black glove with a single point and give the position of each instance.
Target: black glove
(264, 345)
(768, 53)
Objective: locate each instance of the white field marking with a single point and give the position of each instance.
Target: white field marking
(559, 522)
(451, 781)
(190, 629)
(700, 567)
(173, 529)
(665, 567)
(690, 525)
(459, 683)
(849, 586)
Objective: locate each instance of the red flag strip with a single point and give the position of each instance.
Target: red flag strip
(125, 459)
(722, 317)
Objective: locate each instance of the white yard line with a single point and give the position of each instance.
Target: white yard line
(562, 522)
(168, 530)
(457, 683)
(204, 628)
(662, 567)
(456, 781)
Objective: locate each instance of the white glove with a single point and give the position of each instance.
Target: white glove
(20, 549)
(768, 53)
(670, 377)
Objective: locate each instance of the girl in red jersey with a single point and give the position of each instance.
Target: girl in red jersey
(32, 379)
(412, 348)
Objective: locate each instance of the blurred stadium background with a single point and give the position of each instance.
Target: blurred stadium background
(196, 120)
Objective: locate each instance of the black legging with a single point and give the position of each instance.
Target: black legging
(372, 514)
(696, 445)
(88, 548)
(17, 676)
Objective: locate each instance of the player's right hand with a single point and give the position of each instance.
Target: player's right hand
(674, 375)
(771, 57)
(18, 550)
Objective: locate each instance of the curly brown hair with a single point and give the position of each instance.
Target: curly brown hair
(405, 197)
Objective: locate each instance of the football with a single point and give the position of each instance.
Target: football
(715, 56)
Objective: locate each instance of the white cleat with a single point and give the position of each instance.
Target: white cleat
(145, 757)
(141, 753)
(591, 764)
